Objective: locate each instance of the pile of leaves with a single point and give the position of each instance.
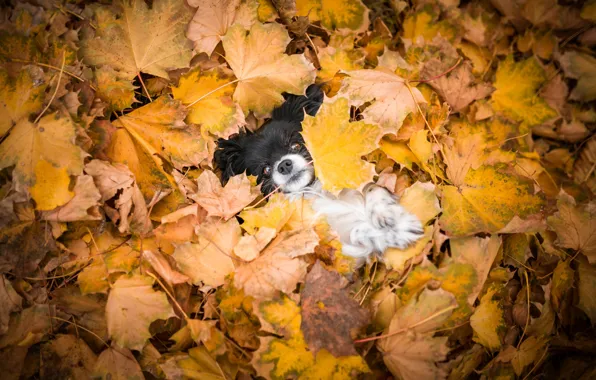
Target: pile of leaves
(122, 256)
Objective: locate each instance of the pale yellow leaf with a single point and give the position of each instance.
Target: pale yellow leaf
(487, 322)
(20, 97)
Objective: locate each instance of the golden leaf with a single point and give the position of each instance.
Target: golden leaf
(20, 97)
(334, 14)
(337, 161)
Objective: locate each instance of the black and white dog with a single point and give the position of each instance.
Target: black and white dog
(366, 222)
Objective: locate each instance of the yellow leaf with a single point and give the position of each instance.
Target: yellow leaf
(516, 96)
(399, 152)
(275, 214)
(425, 24)
(94, 278)
(396, 258)
(420, 146)
(421, 200)
(197, 364)
(263, 69)
(487, 321)
(280, 358)
(83, 206)
(51, 140)
(118, 92)
(335, 14)
(411, 352)
(20, 97)
(132, 298)
(337, 161)
(224, 201)
(585, 286)
(117, 363)
(486, 201)
(279, 267)
(216, 113)
(461, 155)
(529, 352)
(575, 226)
(209, 260)
(214, 17)
(333, 60)
(133, 38)
(51, 186)
(388, 92)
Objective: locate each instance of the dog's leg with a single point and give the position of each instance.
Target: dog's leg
(399, 227)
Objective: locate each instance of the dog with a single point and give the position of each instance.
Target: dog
(367, 222)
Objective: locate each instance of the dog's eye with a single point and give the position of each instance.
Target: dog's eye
(267, 170)
(295, 147)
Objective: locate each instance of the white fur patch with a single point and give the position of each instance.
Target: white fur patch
(301, 176)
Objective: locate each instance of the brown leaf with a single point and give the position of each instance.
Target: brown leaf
(161, 265)
(83, 206)
(330, 317)
(117, 364)
(583, 170)
(66, 356)
(24, 245)
(224, 201)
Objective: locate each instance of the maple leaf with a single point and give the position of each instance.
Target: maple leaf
(20, 97)
(410, 352)
(278, 358)
(388, 92)
(132, 38)
(396, 258)
(275, 214)
(132, 298)
(458, 88)
(342, 14)
(45, 149)
(580, 66)
(263, 71)
(161, 265)
(487, 321)
(210, 259)
(10, 301)
(224, 201)
(214, 17)
(279, 267)
(575, 226)
(586, 283)
(501, 195)
(118, 92)
(515, 95)
(215, 112)
(337, 162)
(329, 314)
(197, 364)
(30, 326)
(421, 200)
(83, 205)
(461, 155)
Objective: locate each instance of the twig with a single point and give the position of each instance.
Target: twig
(211, 92)
(443, 311)
(53, 68)
(56, 90)
(440, 75)
(528, 316)
(186, 317)
(83, 328)
(144, 88)
(537, 363)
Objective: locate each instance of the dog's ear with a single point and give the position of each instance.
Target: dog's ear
(229, 156)
(294, 107)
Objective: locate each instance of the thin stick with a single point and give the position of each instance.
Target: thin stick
(211, 92)
(528, 316)
(53, 68)
(443, 311)
(537, 363)
(186, 317)
(440, 75)
(56, 90)
(82, 328)
(144, 88)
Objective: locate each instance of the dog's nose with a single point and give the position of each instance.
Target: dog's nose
(285, 167)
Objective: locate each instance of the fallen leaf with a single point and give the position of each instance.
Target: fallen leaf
(118, 92)
(388, 92)
(396, 258)
(330, 317)
(275, 214)
(132, 297)
(30, 326)
(83, 205)
(411, 352)
(214, 18)
(211, 98)
(421, 200)
(461, 155)
(20, 97)
(9, 301)
(580, 66)
(582, 169)
(263, 70)
(585, 286)
(133, 38)
(575, 226)
(343, 14)
(501, 195)
(515, 95)
(224, 201)
(197, 364)
(279, 267)
(487, 321)
(335, 158)
(161, 265)
(278, 358)
(118, 364)
(209, 260)
(49, 146)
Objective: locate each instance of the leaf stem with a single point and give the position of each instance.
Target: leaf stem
(211, 92)
(528, 316)
(440, 75)
(56, 90)
(144, 88)
(186, 317)
(443, 311)
(82, 328)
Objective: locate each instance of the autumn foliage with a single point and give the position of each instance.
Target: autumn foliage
(123, 256)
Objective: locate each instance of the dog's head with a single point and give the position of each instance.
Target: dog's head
(276, 153)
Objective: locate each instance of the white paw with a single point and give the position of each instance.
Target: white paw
(406, 231)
